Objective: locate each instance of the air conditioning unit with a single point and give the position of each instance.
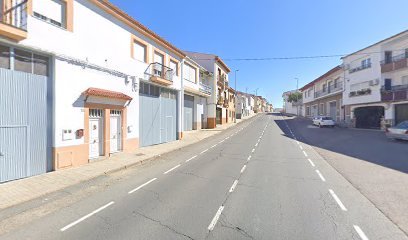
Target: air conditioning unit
(374, 82)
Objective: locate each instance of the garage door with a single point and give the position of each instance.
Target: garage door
(369, 117)
(158, 119)
(401, 113)
(333, 110)
(188, 112)
(23, 125)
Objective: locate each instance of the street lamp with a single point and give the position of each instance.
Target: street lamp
(297, 96)
(235, 118)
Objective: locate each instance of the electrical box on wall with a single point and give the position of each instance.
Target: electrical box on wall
(67, 134)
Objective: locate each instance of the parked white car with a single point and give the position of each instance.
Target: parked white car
(398, 132)
(322, 121)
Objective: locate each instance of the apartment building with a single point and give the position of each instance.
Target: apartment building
(323, 96)
(219, 102)
(72, 92)
(375, 92)
(245, 105)
(197, 91)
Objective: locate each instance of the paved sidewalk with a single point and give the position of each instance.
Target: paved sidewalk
(19, 191)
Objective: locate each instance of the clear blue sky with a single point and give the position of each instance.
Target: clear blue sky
(272, 28)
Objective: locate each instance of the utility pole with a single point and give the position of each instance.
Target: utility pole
(235, 112)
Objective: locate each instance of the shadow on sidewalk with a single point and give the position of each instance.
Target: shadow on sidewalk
(369, 146)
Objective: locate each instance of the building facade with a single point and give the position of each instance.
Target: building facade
(323, 96)
(375, 90)
(218, 104)
(294, 108)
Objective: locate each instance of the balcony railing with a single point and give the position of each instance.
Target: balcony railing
(205, 89)
(160, 73)
(359, 68)
(395, 63)
(15, 16)
(330, 89)
(396, 93)
(220, 101)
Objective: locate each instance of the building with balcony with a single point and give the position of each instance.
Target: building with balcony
(231, 105)
(95, 90)
(323, 96)
(374, 87)
(219, 101)
(197, 92)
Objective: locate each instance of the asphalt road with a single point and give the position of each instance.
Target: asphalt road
(254, 181)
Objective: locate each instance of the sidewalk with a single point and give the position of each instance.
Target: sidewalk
(19, 191)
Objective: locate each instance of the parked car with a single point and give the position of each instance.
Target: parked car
(398, 132)
(322, 121)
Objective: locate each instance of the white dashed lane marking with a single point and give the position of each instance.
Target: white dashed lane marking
(215, 219)
(188, 160)
(311, 162)
(243, 168)
(337, 199)
(171, 169)
(360, 232)
(320, 175)
(144, 184)
(234, 185)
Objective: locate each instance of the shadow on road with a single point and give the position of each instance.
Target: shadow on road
(365, 145)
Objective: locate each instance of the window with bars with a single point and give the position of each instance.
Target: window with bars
(115, 112)
(95, 113)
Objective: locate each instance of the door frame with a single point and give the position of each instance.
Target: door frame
(106, 125)
(120, 131)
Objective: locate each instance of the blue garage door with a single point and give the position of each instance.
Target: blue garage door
(158, 119)
(23, 124)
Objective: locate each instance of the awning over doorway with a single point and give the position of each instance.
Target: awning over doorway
(98, 92)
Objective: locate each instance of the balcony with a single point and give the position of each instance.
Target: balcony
(220, 101)
(331, 89)
(359, 68)
(222, 82)
(13, 21)
(226, 103)
(397, 62)
(160, 74)
(205, 89)
(397, 93)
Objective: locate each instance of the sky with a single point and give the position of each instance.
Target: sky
(236, 29)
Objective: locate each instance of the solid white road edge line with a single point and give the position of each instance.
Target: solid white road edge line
(243, 168)
(144, 184)
(234, 185)
(86, 216)
(171, 169)
(311, 162)
(338, 200)
(320, 175)
(188, 160)
(360, 232)
(215, 219)
(304, 153)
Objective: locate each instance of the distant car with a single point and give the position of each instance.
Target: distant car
(322, 121)
(398, 132)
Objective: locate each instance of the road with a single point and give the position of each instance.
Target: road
(253, 181)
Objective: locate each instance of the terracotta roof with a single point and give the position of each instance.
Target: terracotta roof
(331, 71)
(124, 17)
(106, 93)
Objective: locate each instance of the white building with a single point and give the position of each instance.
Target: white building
(291, 107)
(370, 100)
(79, 86)
(245, 105)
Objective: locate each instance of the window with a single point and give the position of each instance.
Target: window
(51, 11)
(158, 58)
(40, 65)
(366, 63)
(23, 61)
(4, 57)
(174, 65)
(336, 81)
(387, 57)
(324, 87)
(309, 92)
(139, 51)
(190, 73)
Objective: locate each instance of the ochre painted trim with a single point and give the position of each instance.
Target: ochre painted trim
(132, 23)
(177, 64)
(12, 32)
(134, 39)
(156, 50)
(70, 156)
(69, 13)
(179, 135)
(211, 123)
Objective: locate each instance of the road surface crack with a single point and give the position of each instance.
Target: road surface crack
(226, 224)
(162, 224)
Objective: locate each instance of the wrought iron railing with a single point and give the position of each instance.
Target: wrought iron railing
(15, 15)
(205, 89)
(359, 68)
(159, 70)
(330, 89)
(395, 58)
